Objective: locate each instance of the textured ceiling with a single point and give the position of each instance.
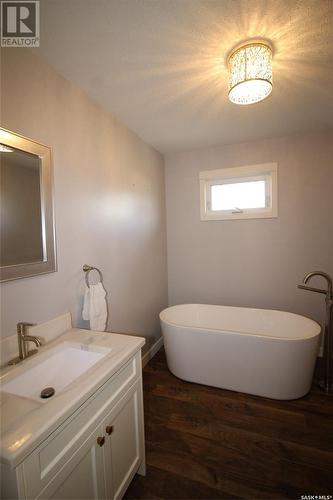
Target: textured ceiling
(159, 65)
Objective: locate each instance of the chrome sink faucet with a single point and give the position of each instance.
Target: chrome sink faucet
(22, 339)
(328, 333)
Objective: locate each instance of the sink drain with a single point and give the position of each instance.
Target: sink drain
(48, 392)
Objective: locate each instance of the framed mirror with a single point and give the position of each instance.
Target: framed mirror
(27, 244)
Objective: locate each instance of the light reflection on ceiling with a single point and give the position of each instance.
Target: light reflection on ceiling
(160, 66)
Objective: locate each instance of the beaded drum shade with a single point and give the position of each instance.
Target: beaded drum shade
(250, 69)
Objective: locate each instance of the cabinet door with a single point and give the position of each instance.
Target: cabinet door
(124, 445)
(82, 477)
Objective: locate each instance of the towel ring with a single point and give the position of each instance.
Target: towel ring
(87, 270)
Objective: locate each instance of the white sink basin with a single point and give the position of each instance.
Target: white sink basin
(56, 368)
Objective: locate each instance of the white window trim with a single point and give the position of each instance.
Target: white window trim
(262, 171)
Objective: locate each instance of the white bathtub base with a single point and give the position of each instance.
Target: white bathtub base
(277, 368)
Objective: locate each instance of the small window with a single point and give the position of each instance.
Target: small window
(239, 193)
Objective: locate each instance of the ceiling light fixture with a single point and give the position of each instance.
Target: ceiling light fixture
(250, 69)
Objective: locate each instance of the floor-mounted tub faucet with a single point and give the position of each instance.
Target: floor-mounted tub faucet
(328, 334)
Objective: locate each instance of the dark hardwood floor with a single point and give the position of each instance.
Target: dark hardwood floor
(203, 442)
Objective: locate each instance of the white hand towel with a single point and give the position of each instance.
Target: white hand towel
(94, 307)
(86, 305)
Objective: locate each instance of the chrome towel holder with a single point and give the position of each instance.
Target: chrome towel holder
(87, 269)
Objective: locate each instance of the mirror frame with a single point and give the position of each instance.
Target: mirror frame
(49, 264)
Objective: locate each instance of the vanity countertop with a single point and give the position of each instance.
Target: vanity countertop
(25, 423)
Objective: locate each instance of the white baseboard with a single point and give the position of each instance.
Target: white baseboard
(152, 351)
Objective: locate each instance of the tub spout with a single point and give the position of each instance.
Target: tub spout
(326, 276)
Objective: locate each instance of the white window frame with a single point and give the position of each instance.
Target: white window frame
(262, 171)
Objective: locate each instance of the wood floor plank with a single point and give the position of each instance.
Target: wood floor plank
(241, 466)
(249, 444)
(163, 485)
(242, 411)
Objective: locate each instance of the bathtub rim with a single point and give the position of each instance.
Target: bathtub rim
(247, 334)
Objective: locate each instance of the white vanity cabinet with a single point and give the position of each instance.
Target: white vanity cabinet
(95, 453)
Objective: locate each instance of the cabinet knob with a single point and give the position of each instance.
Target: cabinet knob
(100, 440)
(109, 429)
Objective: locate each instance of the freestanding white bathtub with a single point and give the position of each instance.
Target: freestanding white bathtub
(257, 351)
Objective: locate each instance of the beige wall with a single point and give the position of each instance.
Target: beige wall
(254, 263)
(109, 203)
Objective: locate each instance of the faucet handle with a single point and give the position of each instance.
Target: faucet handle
(312, 289)
(22, 325)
